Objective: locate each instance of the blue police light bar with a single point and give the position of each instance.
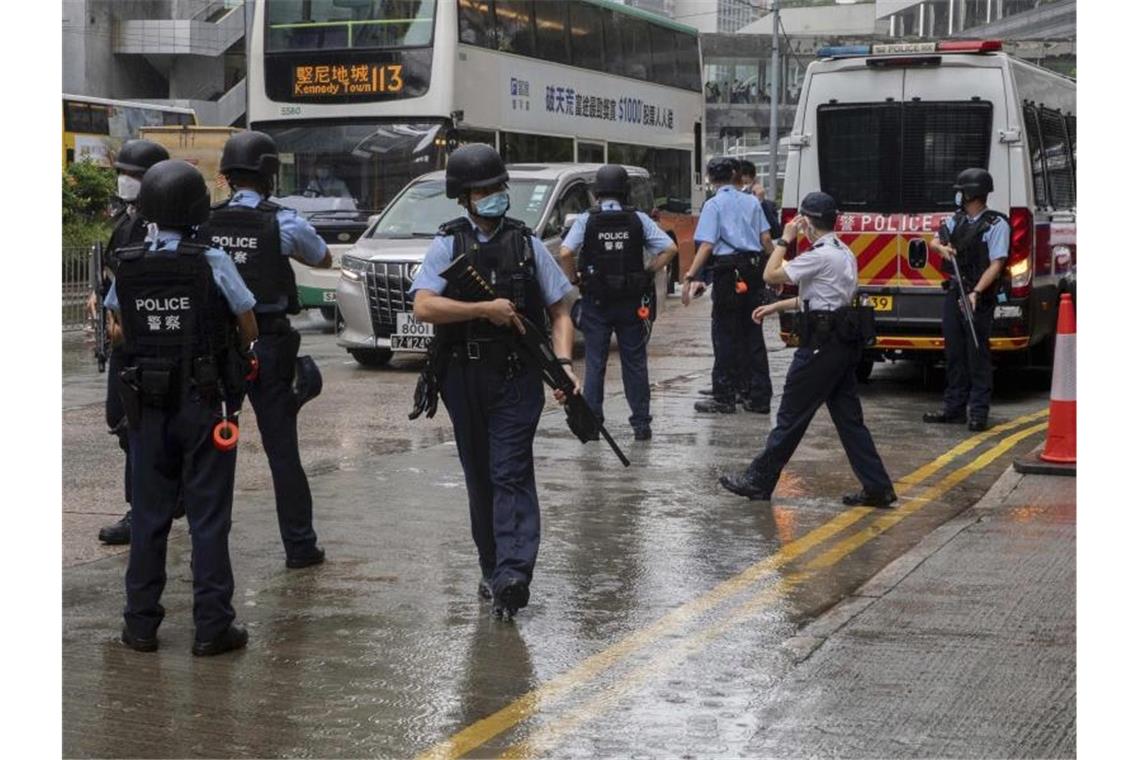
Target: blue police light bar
(843, 51)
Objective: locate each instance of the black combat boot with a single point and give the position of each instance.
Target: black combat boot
(943, 418)
(742, 484)
(871, 499)
(512, 597)
(234, 637)
(117, 533)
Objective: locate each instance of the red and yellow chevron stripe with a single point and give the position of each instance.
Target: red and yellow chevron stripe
(880, 243)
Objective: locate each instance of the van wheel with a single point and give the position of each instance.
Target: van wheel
(371, 357)
(864, 368)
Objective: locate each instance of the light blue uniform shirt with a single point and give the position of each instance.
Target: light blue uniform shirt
(996, 237)
(656, 240)
(827, 274)
(551, 279)
(225, 272)
(299, 239)
(731, 221)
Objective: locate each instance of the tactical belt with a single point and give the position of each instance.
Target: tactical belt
(733, 260)
(490, 352)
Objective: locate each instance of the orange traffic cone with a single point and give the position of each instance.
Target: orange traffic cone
(1061, 442)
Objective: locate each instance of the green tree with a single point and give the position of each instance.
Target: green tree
(87, 193)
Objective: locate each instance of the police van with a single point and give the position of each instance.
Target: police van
(885, 129)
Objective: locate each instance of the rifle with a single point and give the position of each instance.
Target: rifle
(470, 286)
(100, 319)
(944, 238)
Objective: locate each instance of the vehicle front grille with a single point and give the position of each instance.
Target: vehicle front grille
(387, 286)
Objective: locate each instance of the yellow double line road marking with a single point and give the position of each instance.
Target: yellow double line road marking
(482, 731)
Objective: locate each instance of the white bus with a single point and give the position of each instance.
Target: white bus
(364, 95)
(95, 128)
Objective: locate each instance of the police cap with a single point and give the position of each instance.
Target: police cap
(819, 206)
(250, 151)
(173, 194)
(974, 183)
(612, 181)
(473, 166)
(136, 156)
(720, 169)
(307, 381)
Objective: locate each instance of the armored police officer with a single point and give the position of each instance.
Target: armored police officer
(618, 290)
(733, 231)
(492, 392)
(135, 157)
(261, 237)
(175, 304)
(977, 237)
(823, 367)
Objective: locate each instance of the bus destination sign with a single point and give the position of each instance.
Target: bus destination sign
(341, 80)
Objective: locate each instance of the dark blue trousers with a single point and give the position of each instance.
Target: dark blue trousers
(271, 396)
(969, 371)
(598, 323)
(495, 420)
(740, 358)
(172, 451)
(115, 416)
(817, 377)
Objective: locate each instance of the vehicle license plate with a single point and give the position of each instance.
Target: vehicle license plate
(411, 334)
(881, 303)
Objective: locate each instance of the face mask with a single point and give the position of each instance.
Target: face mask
(493, 206)
(958, 199)
(128, 187)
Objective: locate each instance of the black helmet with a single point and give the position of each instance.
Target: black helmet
(819, 206)
(137, 156)
(974, 183)
(307, 382)
(720, 169)
(472, 166)
(612, 181)
(174, 194)
(250, 151)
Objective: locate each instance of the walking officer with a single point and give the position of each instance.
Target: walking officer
(977, 237)
(261, 237)
(733, 231)
(823, 367)
(492, 391)
(618, 290)
(174, 304)
(135, 157)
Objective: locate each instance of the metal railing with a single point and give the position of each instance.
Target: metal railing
(76, 286)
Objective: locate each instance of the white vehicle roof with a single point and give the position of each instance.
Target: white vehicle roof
(549, 172)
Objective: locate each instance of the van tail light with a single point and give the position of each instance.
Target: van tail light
(786, 216)
(1020, 265)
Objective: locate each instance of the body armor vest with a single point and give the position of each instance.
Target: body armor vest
(506, 261)
(129, 229)
(973, 252)
(612, 258)
(252, 238)
(171, 308)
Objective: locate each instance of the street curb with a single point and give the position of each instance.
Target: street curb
(814, 634)
(1032, 464)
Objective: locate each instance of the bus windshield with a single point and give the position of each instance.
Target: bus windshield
(341, 24)
(420, 210)
(364, 164)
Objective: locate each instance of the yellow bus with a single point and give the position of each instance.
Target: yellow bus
(94, 128)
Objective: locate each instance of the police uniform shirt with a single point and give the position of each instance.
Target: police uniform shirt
(996, 237)
(656, 240)
(299, 239)
(827, 274)
(550, 277)
(731, 221)
(225, 272)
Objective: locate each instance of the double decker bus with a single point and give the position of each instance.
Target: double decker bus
(95, 128)
(362, 96)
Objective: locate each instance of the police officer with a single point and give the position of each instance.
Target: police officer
(135, 157)
(174, 304)
(617, 289)
(823, 367)
(260, 237)
(733, 231)
(979, 240)
(492, 392)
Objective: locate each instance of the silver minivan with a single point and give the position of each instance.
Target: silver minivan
(375, 308)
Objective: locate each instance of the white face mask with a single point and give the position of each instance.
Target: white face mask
(128, 187)
(958, 199)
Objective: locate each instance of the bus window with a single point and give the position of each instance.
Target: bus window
(1036, 155)
(337, 24)
(664, 56)
(635, 47)
(77, 117)
(99, 122)
(517, 148)
(611, 25)
(515, 19)
(550, 24)
(1058, 161)
(688, 61)
(586, 36)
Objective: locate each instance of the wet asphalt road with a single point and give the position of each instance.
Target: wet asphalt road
(658, 606)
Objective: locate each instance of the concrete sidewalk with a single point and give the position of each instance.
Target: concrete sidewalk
(965, 646)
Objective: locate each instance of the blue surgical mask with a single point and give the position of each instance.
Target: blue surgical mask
(493, 206)
(958, 199)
